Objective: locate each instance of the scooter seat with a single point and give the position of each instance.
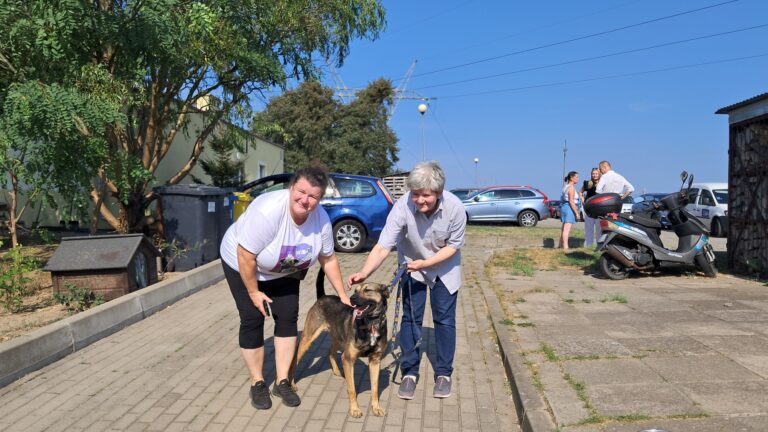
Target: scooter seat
(640, 220)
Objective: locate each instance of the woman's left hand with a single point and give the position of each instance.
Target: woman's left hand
(416, 265)
(345, 299)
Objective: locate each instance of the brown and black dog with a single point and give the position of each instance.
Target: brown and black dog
(358, 332)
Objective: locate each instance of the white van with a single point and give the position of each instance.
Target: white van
(709, 202)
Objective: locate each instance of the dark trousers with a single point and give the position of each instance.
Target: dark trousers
(443, 306)
(284, 293)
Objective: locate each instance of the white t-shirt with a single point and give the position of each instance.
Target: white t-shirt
(282, 247)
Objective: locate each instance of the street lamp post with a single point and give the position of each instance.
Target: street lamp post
(476, 161)
(422, 110)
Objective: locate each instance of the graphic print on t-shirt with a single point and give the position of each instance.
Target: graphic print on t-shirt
(293, 258)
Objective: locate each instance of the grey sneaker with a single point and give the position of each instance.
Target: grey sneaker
(260, 396)
(407, 387)
(442, 387)
(284, 391)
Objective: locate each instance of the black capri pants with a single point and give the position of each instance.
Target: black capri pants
(284, 293)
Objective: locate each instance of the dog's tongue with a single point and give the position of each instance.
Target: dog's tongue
(358, 311)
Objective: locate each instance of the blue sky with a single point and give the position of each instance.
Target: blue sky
(650, 126)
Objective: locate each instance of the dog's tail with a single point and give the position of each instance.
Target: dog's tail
(320, 283)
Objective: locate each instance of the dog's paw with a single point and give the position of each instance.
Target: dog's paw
(355, 412)
(379, 411)
(336, 373)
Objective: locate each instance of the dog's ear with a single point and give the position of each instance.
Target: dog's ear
(384, 290)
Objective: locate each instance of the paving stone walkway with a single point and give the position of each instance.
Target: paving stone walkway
(180, 370)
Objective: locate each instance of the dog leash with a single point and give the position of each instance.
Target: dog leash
(397, 358)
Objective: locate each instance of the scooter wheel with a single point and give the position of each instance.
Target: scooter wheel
(611, 268)
(707, 267)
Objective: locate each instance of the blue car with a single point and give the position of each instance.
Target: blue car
(357, 205)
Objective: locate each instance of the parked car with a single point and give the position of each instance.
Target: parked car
(463, 193)
(554, 209)
(357, 205)
(522, 204)
(709, 203)
(644, 206)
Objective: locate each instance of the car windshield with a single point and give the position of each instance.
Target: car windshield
(721, 195)
(463, 194)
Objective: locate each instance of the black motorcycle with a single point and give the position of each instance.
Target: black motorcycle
(631, 241)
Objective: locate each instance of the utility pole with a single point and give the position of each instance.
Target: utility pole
(422, 110)
(565, 151)
(346, 94)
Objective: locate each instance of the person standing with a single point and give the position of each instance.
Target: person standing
(592, 229)
(280, 235)
(569, 207)
(426, 225)
(611, 181)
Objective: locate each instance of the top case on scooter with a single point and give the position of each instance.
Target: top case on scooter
(602, 204)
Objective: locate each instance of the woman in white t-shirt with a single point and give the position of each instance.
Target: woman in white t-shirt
(264, 255)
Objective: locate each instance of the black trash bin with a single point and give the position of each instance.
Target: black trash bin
(196, 217)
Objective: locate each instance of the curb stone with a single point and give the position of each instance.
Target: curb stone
(28, 353)
(530, 405)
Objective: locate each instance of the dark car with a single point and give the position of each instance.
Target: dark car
(554, 209)
(463, 193)
(646, 205)
(357, 205)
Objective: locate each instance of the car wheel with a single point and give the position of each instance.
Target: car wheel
(717, 228)
(527, 218)
(349, 236)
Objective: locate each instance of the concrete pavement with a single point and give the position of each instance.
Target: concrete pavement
(180, 369)
(674, 351)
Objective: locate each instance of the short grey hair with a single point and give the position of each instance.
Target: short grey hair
(427, 175)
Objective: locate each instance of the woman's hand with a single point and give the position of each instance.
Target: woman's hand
(416, 265)
(345, 299)
(258, 298)
(356, 278)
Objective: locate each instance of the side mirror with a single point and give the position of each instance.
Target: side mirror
(684, 176)
(476, 199)
(690, 181)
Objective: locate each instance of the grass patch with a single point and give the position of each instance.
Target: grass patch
(587, 357)
(582, 258)
(526, 324)
(526, 261)
(569, 301)
(630, 418)
(549, 352)
(686, 416)
(617, 298)
(507, 321)
(581, 393)
(517, 261)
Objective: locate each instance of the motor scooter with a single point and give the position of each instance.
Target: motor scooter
(631, 242)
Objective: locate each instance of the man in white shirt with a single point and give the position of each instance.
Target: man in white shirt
(611, 181)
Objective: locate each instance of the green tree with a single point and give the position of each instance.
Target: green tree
(363, 142)
(302, 121)
(313, 126)
(222, 169)
(161, 56)
(50, 139)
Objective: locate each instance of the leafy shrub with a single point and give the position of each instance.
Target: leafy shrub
(14, 285)
(78, 299)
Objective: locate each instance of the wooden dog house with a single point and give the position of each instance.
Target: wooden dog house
(111, 265)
